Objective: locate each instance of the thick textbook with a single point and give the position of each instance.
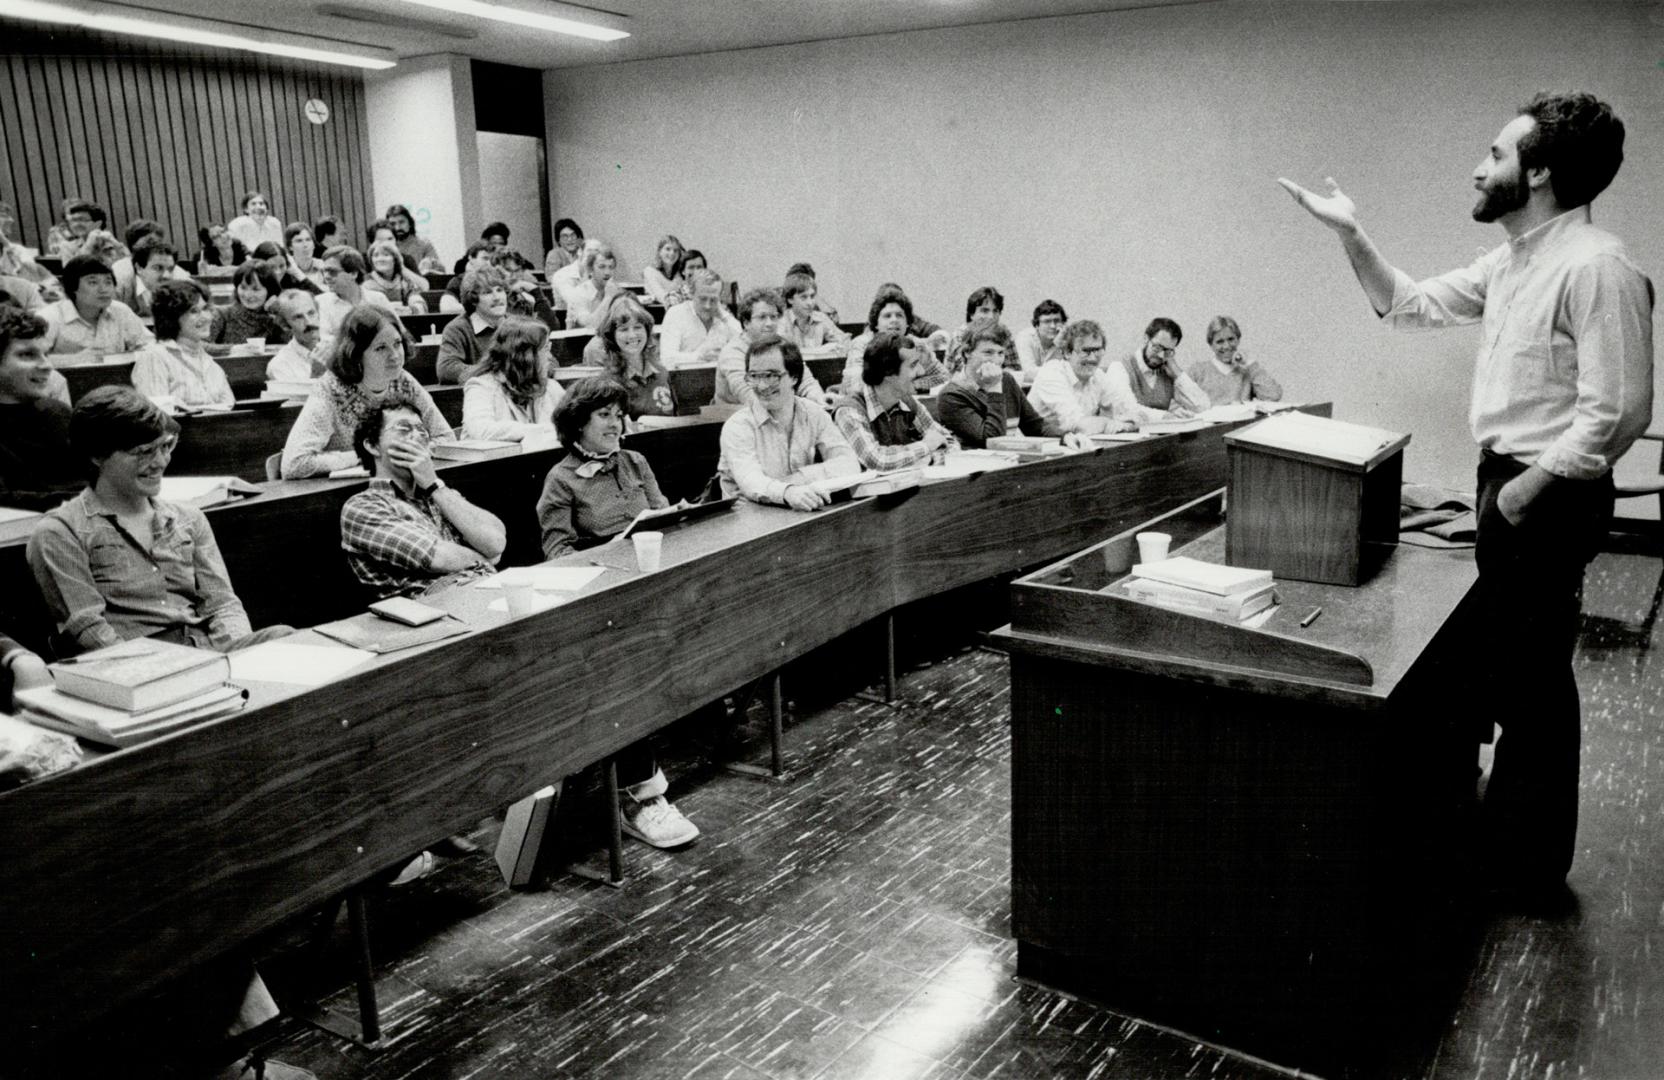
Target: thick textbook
(140, 674)
(1196, 602)
(474, 449)
(52, 708)
(1208, 577)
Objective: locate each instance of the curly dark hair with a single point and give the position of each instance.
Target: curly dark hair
(583, 400)
(888, 295)
(172, 302)
(1578, 139)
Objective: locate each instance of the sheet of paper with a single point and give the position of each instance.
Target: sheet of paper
(298, 665)
(550, 578)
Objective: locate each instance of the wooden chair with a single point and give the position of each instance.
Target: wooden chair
(1649, 531)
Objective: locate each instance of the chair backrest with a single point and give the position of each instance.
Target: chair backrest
(274, 466)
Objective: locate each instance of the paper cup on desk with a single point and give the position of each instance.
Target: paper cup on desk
(1152, 546)
(518, 593)
(649, 547)
(256, 344)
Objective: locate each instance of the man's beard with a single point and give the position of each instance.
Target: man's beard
(1501, 199)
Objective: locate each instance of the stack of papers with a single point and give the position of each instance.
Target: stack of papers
(549, 578)
(1321, 437)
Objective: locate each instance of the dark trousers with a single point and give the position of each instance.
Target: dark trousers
(1531, 589)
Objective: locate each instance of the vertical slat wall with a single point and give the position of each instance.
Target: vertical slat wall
(147, 129)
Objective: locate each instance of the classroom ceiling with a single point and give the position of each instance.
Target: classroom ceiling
(658, 28)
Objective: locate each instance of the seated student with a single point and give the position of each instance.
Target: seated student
(759, 316)
(570, 274)
(247, 315)
(514, 396)
(663, 275)
(1228, 376)
(301, 357)
(154, 261)
(418, 251)
(90, 323)
(967, 408)
(892, 312)
(86, 232)
(822, 305)
(569, 242)
(37, 470)
(301, 245)
(256, 224)
(495, 238)
(344, 270)
(478, 257)
(116, 562)
(695, 330)
(177, 369)
(587, 297)
(1155, 383)
(275, 262)
(782, 440)
(692, 262)
(591, 494)
(409, 532)
(626, 351)
(1073, 393)
(366, 368)
(984, 303)
(220, 253)
(804, 324)
(525, 295)
(390, 277)
(18, 261)
(883, 422)
(136, 233)
(465, 338)
(1037, 342)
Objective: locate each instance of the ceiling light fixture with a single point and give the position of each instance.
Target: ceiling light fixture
(519, 17)
(239, 38)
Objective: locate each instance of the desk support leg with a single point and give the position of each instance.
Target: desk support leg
(776, 738)
(889, 697)
(367, 1032)
(615, 833)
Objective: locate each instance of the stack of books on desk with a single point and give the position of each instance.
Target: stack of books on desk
(129, 693)
(1202, 588)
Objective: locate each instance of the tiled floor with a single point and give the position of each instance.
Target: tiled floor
(854, 922)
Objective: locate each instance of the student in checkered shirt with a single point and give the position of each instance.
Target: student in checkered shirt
(409, 532)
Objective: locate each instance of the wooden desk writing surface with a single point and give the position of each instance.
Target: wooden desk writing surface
(216, 833)
(84, 377)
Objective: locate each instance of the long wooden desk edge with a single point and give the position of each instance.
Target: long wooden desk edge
(156, 858)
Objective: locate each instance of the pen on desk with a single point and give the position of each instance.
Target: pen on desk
(1309, 619)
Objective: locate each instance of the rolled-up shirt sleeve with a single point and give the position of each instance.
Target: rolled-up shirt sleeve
(1608, 305)
(1451, 299)
(224, 614)
(61, 570)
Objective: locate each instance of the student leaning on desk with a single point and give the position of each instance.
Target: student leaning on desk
(966, 404)
(760, 311)
(775, 446)
(591, 494)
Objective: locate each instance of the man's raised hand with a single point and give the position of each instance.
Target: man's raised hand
(1336, 209)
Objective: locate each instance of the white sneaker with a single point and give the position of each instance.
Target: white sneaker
(658, 823)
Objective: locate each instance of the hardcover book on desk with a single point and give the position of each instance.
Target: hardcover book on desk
(1313, 499)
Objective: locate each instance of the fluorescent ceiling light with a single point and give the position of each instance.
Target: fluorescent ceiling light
(518, 17)
(239, 38)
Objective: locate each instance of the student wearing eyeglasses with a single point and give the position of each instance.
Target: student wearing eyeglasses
(1074, 393)
(409, 532)
(1154, 380)
(780, 441)
(116, 562)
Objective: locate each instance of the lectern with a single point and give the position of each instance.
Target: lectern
(1312, 498)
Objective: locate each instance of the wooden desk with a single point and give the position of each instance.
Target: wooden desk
(170, 853)
(432, 322)
(84, 377)
(246, 372)
(1251, 835)
(828, 371)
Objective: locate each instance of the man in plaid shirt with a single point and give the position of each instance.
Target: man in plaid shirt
(409, 532)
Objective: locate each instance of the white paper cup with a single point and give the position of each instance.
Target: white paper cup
(1152, 546)
(649, 546)
(256, 344)
(518, 593)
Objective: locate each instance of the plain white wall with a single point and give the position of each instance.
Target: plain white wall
(422, 147)
(1123, 163)
(511, 190)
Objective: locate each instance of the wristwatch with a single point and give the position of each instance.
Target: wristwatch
(432, 489)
